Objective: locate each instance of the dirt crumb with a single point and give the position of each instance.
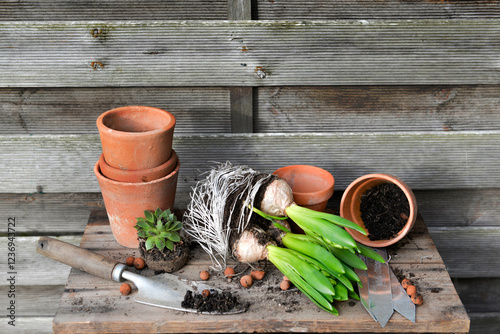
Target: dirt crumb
(213, 302)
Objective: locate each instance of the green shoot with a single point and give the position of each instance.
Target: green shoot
(353, 295)
(301, 244)
(281, 227)
(320, 263)
(325, 229)
(341, 292)
(370, 253)
(265, 215)
(305, 212)
(351, 259)
(281, 259)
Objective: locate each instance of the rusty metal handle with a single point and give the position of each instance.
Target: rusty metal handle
(76, 257)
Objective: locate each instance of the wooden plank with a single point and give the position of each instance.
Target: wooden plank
(241, 109)
(239, 10)
(458, 243)
(265, 9)
(29, 325)
(485, 323)
(32, 268)
(459, 208)
(34, 300)
(425, 160)
(261, 315)
(95, 10)
(278, 109)
(237, 53)
(241, 97)
(377, 108)
(467, 252)
(68, 213)
(48, 214)
(380, 9)
(99, 299)
(479, 295)
(75, 110)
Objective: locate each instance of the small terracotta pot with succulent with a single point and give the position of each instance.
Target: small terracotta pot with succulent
(160, 241)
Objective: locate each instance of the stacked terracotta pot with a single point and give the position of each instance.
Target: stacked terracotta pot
(138, 168)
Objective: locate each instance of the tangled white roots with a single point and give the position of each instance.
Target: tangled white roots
(205, 221)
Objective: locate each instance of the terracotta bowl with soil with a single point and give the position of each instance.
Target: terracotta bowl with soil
(165, 260)
(383, 205)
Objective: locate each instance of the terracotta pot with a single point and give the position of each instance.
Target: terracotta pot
(136, 137)
(312, 186)
(142, 175)
(126, 201)
(350, 206)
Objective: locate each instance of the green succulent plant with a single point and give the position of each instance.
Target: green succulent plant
(159, 228)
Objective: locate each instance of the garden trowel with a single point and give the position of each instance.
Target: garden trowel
(381, 293)
(163, 290)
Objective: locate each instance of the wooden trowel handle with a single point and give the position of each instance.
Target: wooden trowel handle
(76, 257)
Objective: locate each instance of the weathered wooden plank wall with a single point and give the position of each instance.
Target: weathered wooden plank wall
(249, 53)
(358, 86)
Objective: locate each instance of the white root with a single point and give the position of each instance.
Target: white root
(204, 219)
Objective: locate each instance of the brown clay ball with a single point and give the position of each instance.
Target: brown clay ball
(406, 283)
(246, 281)
(204, 275)
(285, 285)
(285, 278)
(411, 290)
(125, 289)
(139, 263)
(417, 300)
(205, 293)
(130, 261)
(229, 272)
(258, 274)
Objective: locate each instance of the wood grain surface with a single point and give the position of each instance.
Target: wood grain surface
(248, 53)
(424, 160)
(91, 304)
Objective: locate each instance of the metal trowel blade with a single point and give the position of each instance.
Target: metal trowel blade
(363, 289)
(379, 288)
(168, 291)
(402, 303)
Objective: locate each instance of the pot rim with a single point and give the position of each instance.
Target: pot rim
(409, 196)
(325, 193)
(101, 177)
(170, 124)
(119, 171)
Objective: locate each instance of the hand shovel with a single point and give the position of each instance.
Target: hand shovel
(163, 290)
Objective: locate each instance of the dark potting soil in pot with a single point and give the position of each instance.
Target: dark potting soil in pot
(165, 260)
(214, 302)
(384, 211)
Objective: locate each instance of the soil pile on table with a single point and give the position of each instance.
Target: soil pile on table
(214, 302)
(384, 211)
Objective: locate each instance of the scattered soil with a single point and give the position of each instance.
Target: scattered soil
(384, 210)
(213, 302)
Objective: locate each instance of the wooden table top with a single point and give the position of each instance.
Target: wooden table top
(90, 304)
